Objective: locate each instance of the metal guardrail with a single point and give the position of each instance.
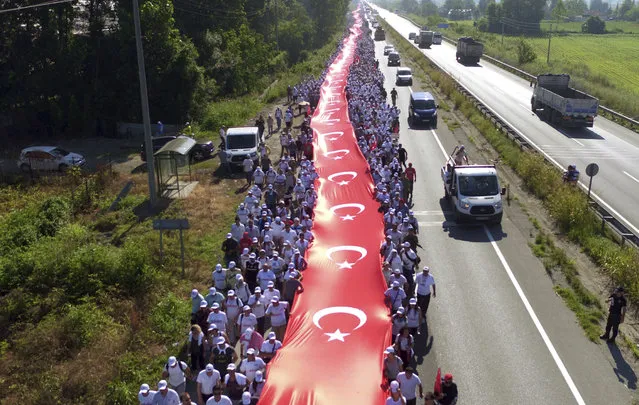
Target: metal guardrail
(606, 217)
(528, 76)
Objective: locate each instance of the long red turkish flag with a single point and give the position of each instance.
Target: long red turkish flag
(339, 326)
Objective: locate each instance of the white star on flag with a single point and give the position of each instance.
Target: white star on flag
(338, 158)
(337, 335)
(345, 265)
(348, 217)
(333, 139)
(343, 183)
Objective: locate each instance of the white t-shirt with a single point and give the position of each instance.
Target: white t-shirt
(424, 283)
(407, 385)
(208, 382)
(176, 375)
(258, 305)
(389, 401)
(224, 400)
(278, 313)
(239, 377)
(248, 165)
(148, 400)
(263, 277)
(249, 368)
(245, 321)
(219, 319)
(267, 347)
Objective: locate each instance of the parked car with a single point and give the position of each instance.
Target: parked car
(200, 151)
(48, 158)
(388, 49)
(404, 76)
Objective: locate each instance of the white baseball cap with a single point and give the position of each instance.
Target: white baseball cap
(194, 293)
(172, 361)
(259, 376)
(203, 304)
(271, 335)
(394, 386)
(162, 385)
(395, 284)
(246, 398)
(212, 290)
(144, 388)
(219, 340)
(250, 351)
(231, 293)
(389, 349)
(209, 367)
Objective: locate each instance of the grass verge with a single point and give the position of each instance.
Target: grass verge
(567, 206)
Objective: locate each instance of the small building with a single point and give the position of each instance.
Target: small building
(173, 167)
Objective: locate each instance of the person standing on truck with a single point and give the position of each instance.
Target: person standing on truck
(393, 94)
(461, 157)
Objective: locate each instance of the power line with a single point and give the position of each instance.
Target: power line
(46, 3)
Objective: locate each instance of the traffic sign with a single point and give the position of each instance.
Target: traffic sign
(592, 169)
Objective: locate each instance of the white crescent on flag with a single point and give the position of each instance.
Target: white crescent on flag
(346, 264)
(360, 208)
(332, 177)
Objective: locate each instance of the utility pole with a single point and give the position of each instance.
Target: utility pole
(549, 37)
(502, 32)
(277, 27)
(148, 142)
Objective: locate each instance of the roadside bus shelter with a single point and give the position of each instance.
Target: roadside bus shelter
(173, 161)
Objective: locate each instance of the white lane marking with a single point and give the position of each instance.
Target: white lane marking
(631, 176)
(578, 143)
(441, 147)
(533, 316)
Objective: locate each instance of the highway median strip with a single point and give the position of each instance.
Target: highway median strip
(566, 205)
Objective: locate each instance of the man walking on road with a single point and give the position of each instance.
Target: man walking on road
(410, 175)
(424, 281)
(616, 314)
(393, 94)
(408, 382)
(402, 154)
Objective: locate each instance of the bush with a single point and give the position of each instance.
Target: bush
(594, 25)
(169, 318)
(54, 213)
(525, 52)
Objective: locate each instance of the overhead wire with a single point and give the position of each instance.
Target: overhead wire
(46, 3)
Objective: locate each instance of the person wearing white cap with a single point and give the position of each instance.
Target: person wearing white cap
(400, 278)
(196, 298)
(409, 261)
(298, 258)
(251, 364)
(277, 266)
(396, 397)
(207, 380)
(241, 288)
(246, 398)
(289, 235)
(270, 292)
(219, 277)
(256, 387)
(394, 296)
(287, 252)
(394, 259)
(231, 248)
(398, 321)
(258, 177)
(232, 306)
(257, 302)
(176, 372)
(145, 395)
(392, 365)
(234, 383)
(231, 276)
(265, 275)
(243, 213)
(270, 347)
(292, 287)
(222, 355)
(277, 226)
(213, 296)
(424, 282)
(217, 317)
(165, 395)
(250, 274)
(268, 246)
(413, 316)
(277, 311)
(245, 320)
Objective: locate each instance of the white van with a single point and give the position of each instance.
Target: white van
(240, 142)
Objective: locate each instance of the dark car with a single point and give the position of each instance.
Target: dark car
(422, 108)
(394, 59)
(200, 151)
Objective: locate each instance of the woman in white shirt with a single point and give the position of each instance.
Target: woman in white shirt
(277, 312)
(413, 316)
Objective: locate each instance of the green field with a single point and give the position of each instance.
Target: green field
(606, 66)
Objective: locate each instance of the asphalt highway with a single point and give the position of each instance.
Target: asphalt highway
(496, 323)
(614, 148)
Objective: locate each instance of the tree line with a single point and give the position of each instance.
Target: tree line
(72, 68)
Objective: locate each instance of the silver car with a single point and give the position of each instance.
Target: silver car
(404, 76)
(48, 158)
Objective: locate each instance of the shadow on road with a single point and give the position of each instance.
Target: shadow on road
(470, 232)
(423, 344)
(624, 372)
(580, 133)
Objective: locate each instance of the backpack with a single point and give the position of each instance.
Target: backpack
(166, 366)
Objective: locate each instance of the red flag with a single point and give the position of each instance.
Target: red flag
(438, 382)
